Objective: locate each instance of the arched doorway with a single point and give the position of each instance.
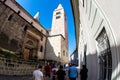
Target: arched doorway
(30, 50)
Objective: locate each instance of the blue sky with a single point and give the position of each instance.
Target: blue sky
(46, 8)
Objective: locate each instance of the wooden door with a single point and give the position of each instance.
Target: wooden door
(26, 53)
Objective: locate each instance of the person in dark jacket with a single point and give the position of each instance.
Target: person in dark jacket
(83, 73)
(61, 74)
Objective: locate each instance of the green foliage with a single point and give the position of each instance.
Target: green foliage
(7, 54)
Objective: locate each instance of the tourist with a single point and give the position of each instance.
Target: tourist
(61, 74)
(83, 73)
(54, 72)
(73, 72)
(48, 71)
(38, 74)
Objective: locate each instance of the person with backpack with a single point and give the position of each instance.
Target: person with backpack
(48, 71)
(61, 74)
(54, 72)
(73, 72)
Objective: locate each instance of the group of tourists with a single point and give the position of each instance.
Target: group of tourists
(54, 73)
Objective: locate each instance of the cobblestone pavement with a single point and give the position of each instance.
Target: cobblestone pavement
(22, 78)
(25, 78)
(15, 78)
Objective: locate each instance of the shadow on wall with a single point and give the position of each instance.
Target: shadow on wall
(116, 56)
(92, 65)
(6, 43)
(50, 53)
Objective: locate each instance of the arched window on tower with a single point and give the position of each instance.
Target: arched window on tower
(57, 17)
(57, 13)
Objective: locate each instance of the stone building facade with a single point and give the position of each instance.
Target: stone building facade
(25, 36)
(20, 32)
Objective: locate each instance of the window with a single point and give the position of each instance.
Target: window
(25, 28)
(57, 17)
(41, 38)
(63, 53)
(41, 49)
(18, 12)
(105, 56)
(57, 13)
(10, 17)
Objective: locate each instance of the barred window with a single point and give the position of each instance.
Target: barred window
(105, 56)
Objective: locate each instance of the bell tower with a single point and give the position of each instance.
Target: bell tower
(57, 44)
(59, 24)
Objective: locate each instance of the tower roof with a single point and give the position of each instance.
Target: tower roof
(59, 6)
(37, 16)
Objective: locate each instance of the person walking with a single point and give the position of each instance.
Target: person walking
(83, 73)
(38, 74)
(48, 71)
(73, 72)
(61, 74)
(54, 72)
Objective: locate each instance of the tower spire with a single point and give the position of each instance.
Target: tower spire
(36, 17)
(59, 6)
